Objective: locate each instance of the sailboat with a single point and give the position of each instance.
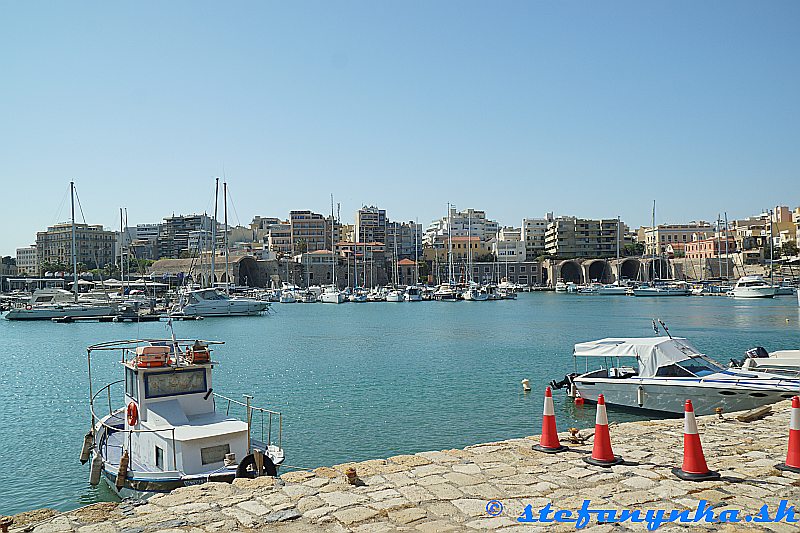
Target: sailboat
(614, 289)
(395, 294)
(448, 292)
(56, 309)
(474, 292)
(331, 293)
(212, 302)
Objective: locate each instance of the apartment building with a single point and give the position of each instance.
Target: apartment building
(27, 264)
(570, 237)
(656, 239)
(370, 225)
(94, 246)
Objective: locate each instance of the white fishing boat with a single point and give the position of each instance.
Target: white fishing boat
(395, 295)
(214, 303)
(661, 373)
(561, 286)
(413, 294)
(475, 293)
(171, 430)
(752, 287)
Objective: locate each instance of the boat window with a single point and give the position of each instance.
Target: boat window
(214, 454)
(161, 384)
(131, 389)
(159, 458)
(700, 367)
(673, 371)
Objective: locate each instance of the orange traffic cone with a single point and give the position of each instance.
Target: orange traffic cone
(694, 462)
(602, 454)
(792, 463)
(549, 442)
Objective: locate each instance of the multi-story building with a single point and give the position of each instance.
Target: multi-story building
(173, 235)
(370, 225)
(462, 246)
(94, 246)
(714, 246)
(8, 269)
(27, 264)
(409, 239)
(508, 245)
(569, 237)
(656, 239)
(279, 238)
(469, 222)
(140, 241)
(261, 226)
(533, 231)
(308, 232)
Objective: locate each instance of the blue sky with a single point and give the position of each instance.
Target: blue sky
(585, 108)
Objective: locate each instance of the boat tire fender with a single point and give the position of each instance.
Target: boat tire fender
(247, 467)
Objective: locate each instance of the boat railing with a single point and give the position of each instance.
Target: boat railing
(99, 420)
(273, 418)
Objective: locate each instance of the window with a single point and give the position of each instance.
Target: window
(699, 367)
(673, 371)
(159, 458)
(522, 269)
(214, 454)
(131, 388)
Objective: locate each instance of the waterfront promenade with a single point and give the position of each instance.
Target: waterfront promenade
(448, 490)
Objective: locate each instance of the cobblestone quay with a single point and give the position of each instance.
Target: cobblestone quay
(448, 490)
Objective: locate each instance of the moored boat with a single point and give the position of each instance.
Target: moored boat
(753, 287)
(168, 432)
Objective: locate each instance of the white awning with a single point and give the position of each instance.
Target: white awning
(651, 352)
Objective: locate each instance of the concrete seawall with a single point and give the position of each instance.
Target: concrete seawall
(448, 490)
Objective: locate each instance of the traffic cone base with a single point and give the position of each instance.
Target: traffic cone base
(787, 468)
(688, 476)
(607, 464)
(540, 448)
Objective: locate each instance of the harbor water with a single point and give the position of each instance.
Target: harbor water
(354, 381)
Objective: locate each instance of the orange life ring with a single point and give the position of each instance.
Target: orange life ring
(133, 414)
(28, 307)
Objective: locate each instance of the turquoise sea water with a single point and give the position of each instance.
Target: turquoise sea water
(355, 381)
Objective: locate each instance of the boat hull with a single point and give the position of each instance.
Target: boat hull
(671, 397)
(78, 311)
(753, 292)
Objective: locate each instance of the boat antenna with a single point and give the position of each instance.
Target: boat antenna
(666, 329)
(655, 327)
(174, 340)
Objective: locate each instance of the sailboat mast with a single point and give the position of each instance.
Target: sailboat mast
(449, 246)
(121, 250)
(771, 252)
(225, 210)
(214, 234)
(74, 251)
(727, 252)
(618, 267)
(416, 254)
(333, 254)
(719, 247)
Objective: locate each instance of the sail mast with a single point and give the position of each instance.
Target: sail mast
(225, 210)
(74, 252)
(214, 234)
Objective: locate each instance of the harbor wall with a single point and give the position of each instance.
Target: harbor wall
(451, 490)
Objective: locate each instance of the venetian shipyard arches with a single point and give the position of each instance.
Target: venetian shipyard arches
(598, 270)
(569, 271)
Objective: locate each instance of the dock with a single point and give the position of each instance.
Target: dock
(449, 490)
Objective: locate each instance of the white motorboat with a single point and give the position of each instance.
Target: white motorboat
(332, 295)
(307, 297)
(287, 297)
(475, 293)
(591, 288)
(446, 293)
(168, 432)
(785, 289)
(561, 286)
(395, 295)
(753, 287)
(783, 362)
(50, 311)
(358, 295)
(378, 294)
(213, 302)
(413, 294)
(661, 373)
(674, 289)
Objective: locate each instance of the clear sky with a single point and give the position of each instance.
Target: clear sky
(581, 108)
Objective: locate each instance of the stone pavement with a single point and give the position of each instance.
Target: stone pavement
(448, 490)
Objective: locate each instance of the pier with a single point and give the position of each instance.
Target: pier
(448, 490)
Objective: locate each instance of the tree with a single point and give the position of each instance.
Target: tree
(634, 248)
(789, 249)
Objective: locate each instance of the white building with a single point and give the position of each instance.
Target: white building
(509, 246)
(466, 223)
(26, 261)
(533, 231)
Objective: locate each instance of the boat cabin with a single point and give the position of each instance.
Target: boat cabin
(170, 405)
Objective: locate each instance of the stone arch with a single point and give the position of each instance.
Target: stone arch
(598, 270)
(248, 273)
(570, 271)
(629, 269)
(658, 268)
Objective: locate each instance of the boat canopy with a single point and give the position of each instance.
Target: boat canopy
(651, 352)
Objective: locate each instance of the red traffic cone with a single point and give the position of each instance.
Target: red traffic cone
(694, 462)
(549, 442)
(602, 454)
(792, 463)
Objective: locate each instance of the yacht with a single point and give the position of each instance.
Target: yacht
(358, 295)
(378, 294)
(612, 290)
(395, 295)
(446, 293)
(665, 289)
(331, 295)
(307, 297)
(287, 297)
(660, 373)
(213, 302)
(168, 431)
(475, 293)
(413, 294)
(752, 287)
(561, 286)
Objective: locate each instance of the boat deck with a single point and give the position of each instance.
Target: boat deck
(111, 445)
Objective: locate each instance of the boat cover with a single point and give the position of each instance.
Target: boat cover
(650, 352)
